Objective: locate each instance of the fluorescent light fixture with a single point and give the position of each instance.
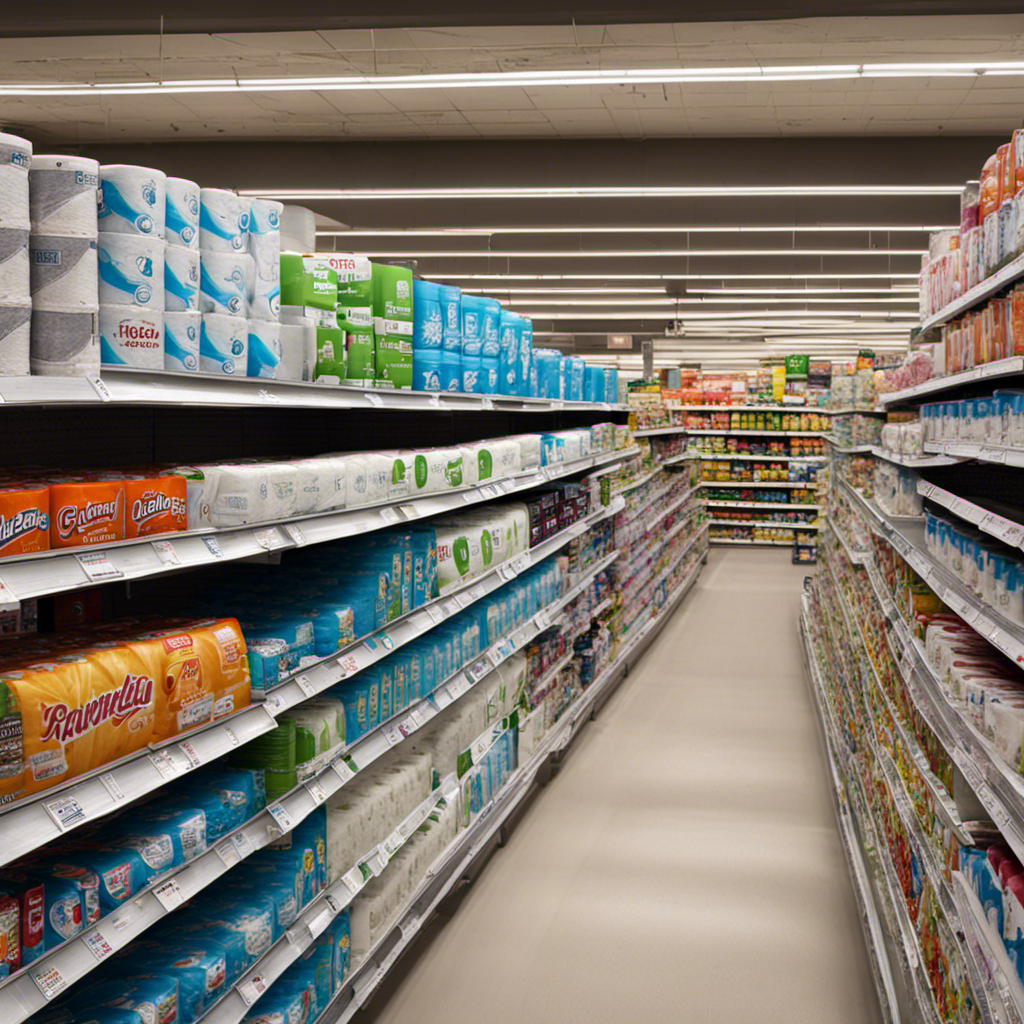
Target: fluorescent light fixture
(623, 229)
(600, 191)
(770, 315)
(558, 77)
(562, 254)
(670, 301)
(611, 276)
(909, 291)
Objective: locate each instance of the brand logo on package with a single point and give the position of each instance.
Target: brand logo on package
(402, 289)
(81, 517)
(64, 723)
(25, 521)
(46, 257)
(138, 334)
(181, 642)
(155, 503)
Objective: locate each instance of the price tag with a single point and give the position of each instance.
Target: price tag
(348, 665)
(214, 546)
(266, 538)
(354, 880)
(470, 496)
(389, 515)
(543, 620)
(316, 791)
(268, 397)
(494, 657)
(490, 491)
(458, 686)
(342, 770)
(377, 861)
(386, 641)
(169, 894)
(97, 566)
(281, 816)
(410, 511)
(306, 686)
(451, 607)
(49, 981)
(418, 718)
(252, 989)
(298, 537)
(508, 486)
(165, 552)
(228, 854)
(230, 734)
(393, 735)
(994, 454)
(409, 926)
(190, 754)
(243, 844)
(393, 843)
(506, 572)
(97, 944)
(333, 902)
(478, 592)
(101, 389)
(435, 613)
(463, 599)
(375, 400)
(521, 563)
(111, 786)
(162, 762)
(320, 922)
(486, 403)
(275, 704)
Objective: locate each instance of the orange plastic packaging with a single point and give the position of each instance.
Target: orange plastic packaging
(1005, 171)
(1002, 329)
(1017, 146)
(1017, 321)
(155, 504)
(83, 707)
(24, 518)
(86, 510)
(989, 191)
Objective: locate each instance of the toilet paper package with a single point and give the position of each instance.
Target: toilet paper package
(132, 336)
(265, 249)
(298, 351)
(65, 344)
(223, 344)
(131, 270)
(223, 282)
(264, 348)
(525, 356)
(181, 341)
(133, 200)
(15, 330)
(511, 330)
(223, 221)
(182, 213)
(15, 276)
(428, 326)
(451, 371)
(393, 357)
(490, 370)
(15, 161)
(472, 326)
(330, 355)
(392, 295)
(576, 371)
(308, 281)
(181, 279)
(63, 196)
(355, 291)
(472, 374)
(64, 273)
(426, 369)
(360, 357)
(490, 331)
(450, 298)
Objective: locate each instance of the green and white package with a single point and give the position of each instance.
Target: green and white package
(437, 469)
(461, 553)
(330, 355)
(392, 325)
(355, 315)
(393, 358)
(361, 357)
(308, 281)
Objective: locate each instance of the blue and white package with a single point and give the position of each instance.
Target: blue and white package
(199, 969)
(224, 282)
(224, 344)
(181, 341)
(265, 249)
(72, 899)
(240, 792)
(132, 200)
(490, 371)
(472, 374)
(229, 943)
(427, 323)
(549, 372)
(181, 279)
(450, 298)
(165, 836)
(511, 328)
(426, 369)
(155, 996)
(611, 385)
(121, 872)
(223, 221)
(473, 309)
(253, 919)
(451, 370)
(264, 348)
(490, 329)
(332, 628)
(576, 368)
(342, 944)
(278, 887)
(284, 1005)
(131, 270)
(182, 220)
(525, 355)
(264, 631)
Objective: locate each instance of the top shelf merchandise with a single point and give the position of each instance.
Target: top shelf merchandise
(752, 420)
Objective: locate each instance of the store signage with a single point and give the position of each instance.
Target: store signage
(622, 341)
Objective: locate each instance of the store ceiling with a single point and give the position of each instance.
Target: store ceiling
(834, 119)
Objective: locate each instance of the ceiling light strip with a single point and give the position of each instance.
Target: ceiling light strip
(563, 254)
(621, 229)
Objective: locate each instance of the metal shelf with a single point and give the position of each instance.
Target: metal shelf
(733, 457)
(981, 291)
(852, 450)
(752, 408)
(159, 387)
(1006, 530)
(762, 522)
(53, 572)
(806, 485)
(913, 461)
(853, 410)
(759, 433)
(717, 503)
(766, 543)
(1011, 367)
(658, 431)
(958, 450)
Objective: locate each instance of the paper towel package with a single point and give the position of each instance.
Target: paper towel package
(298, 351)
(181, 279)
(131, 270)
(264, 348)
(355, 291)
(15, 161)
(224, 344)
(132, 336)
(132, 200)
(64, 273)
(450, 298)
(426, 369)
(223, 221)
(265, 249)
(393, 360)
(182, 217)
(15, 330)
(298, 229)
(65, 344)
(63, 196)
(451, 371)
(15, 276)
(181, 341)
(223, 282)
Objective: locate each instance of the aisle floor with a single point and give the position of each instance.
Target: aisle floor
(684, 866)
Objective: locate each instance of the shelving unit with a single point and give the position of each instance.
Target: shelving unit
(1012, 367)
(973, 296)
(733, 457)
(785, 484)
(958, 450)
(813, 527)
(715, 503)
(913, 461)
(757, 433)
(659, 431)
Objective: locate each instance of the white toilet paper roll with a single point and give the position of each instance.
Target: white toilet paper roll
(15, 160)
(298, 352)
(181, 279)
(182, 227)
(265, 217)
(132, 336)
(131, 270)
(264, 348)
(181, 341)
(65, 344)
(64, 274)
(14, 267)
(298, 229)
(223, 221)
(15, 334)
(224, 282)
(62, 195)
(133, 200)
(224, 344)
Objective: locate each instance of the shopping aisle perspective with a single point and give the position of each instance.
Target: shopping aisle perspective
(685, 864)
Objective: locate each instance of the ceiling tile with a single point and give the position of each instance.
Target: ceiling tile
(489, 99)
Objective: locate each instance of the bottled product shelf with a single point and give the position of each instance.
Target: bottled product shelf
(1011, 367)
(958, 450)
(733, 457)
(913, 461)
(759, 433)
(716, 503)
(53, 572)
(159, 387)
(786, 484)
(764, 522)
(981, 291)
(33, 822)
(1006, 530)
(24, 993)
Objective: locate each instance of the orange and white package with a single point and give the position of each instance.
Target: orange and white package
(24, 518)
(155, 504)
(86, 510)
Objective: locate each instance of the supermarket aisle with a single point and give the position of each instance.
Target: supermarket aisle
(684, 866)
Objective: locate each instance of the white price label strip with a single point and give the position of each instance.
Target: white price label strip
(389, 515)
(169, 894)
(342, 770)
(353, 880)
(97, 566)
(50, 981)
(320, 922)
(252, 989)
(98, 945)
(111, 786)
(214, 546)
(8, 599)
(410, 511)
(190, 754)
(297, 536)
(348, 665)
(228, 853)
(165, 552)
(316, 791)
(281, 816)
(306, 686)
(435, 613)
(65, 811)
(377, 861)
(243, 844)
